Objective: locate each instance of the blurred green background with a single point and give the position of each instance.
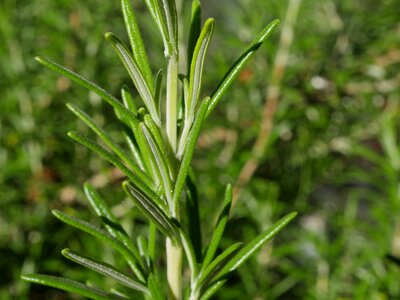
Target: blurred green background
(332, 154)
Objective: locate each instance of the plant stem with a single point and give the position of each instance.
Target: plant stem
(172, 100)
(174, 270)
(174, 252)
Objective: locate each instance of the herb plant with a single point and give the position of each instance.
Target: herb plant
(161, 135)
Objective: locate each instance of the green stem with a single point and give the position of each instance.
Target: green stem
(174, 270)
(172, 101)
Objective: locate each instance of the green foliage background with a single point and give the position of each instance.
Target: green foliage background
(333, 154)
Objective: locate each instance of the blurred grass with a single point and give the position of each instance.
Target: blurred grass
(333, 154)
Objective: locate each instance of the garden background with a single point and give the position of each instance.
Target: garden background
(326, 87)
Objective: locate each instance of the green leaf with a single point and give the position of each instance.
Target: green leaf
(141, 181)
(189, 150)
(158, 91)
(156, 135)
(193, 216)
(151, 210)
(239, 64)
(101, 235)
(135, 151)
(136, 75)
(213, 289)
(196, 68)
(104, 269)
(127, 99)
(162, 166)
(171, 21)
(69, 285)
(136, 41)
(110, 222)
(152, 241)
(154, 287)
(196, 72)
(190, 254)
(217, 264)
(88, 85)
(159, 18)
(256, 244)
(219, 229)
(106, 139)
(195, 28)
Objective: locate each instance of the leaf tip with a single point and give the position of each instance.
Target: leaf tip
(65, 252)
(39, 59)
(109, 36)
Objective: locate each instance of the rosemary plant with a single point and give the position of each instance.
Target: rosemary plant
(161, 138)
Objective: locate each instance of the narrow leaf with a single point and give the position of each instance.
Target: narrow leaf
(171, 19)
(162, 166)
(196, 69)
(69, 285)
(195, 27)
(189, 251)
(155, 133)
(219, 229)
(151, 210)
(136, 41)
(106, 138)
(189, 150)
(216, 265)
(101, 235)
(109, 221)
(154, 287)
(159, 18)
(158, 91)
(213, 289)
(135, 151)
(239, 64)
(136, 75)
(104, 269)
(152, 241)
(256, 244)
(88, 85)
(143, 182)
(127, 99)
(193, 215)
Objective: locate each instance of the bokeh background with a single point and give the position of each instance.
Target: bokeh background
(325, 86)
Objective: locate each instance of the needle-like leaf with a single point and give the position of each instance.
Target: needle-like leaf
(159, 18)
(195, 28)
(70, 286)
(101, 235)
(219, 229)
(256, 244)
(190, 254)
(158, 91)
(239, 64)
(136, 41)
(104, 269)
(217, 264)
(159, 160)
(136, 75)
(195, 79)
(127, 99)
(189, 149)
(88, 85)
(109, 221)
(106, 138)
(196, 67)
(193, 214)
(137, 178)
(213, 289)
(151, 210)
